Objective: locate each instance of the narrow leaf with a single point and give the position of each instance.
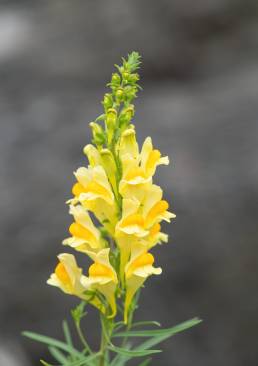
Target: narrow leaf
(120, 360)
(149, 322)
(67, 333)
(133, 353)
(158, 339)
(45, 363)
(159, 332)
(52, 342)
(58, 355)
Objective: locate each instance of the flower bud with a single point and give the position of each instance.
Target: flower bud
(111, 118)
(133, 78)
(119, 94)
(126, 75)
(126, 116)
(130, 92)
(116, 79)
(107, 101)
(97, 133)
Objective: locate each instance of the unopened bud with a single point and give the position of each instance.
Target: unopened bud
(111, 118)
(116, 79)
(126, 116)
(133, 78)
(130, 92)
(107, 101)
(119, 94)
(126, 75)
(98, 133)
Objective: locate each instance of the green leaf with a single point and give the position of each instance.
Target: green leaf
(133, 353)
(58, 355)
(87, 361)
(159, 332)
(52, 342)
(67, 334)
(148, 322)
(158, 339)
(45, 363)
(84, 362)
(120, 360)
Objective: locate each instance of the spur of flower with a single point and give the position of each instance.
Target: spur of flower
(116, 215)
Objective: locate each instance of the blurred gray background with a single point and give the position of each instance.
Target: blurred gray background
(200, 105)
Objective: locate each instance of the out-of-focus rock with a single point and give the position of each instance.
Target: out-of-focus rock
(11, 354)
(52, 57)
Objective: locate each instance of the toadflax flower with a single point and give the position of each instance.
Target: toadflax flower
(117, 210)
(117, 213)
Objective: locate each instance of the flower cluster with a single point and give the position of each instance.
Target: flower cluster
(116, 190)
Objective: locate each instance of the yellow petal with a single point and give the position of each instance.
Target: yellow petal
(128, 144)
(92, 155)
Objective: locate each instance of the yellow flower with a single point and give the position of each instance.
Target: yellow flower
(138, 169)
(154, 208)
(68, 276)
(104, 158)
(94, 192)
(92, 154)
(132, 221)
(84, 235)
(92, 184)
(139, 218)
(128, 144)
(140, 223)
(151, 158)
(103, 277)
(137, 270)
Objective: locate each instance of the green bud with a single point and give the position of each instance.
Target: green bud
(130, 92)
(126, 116)
(107, 101)
(111, 118)
(133, 78)
(119, 94)
(126, 75)
(97, 133)
(116, 79)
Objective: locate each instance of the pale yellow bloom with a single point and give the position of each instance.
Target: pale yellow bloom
(92, 184)
(94, 192)
(93, 155)
(104, 158)
(103, 277)
(137, 270)
(138, 218)
(132, 221)
(140, 223)
(68, 276)
(84, 235)
(128, 144)
(138, 169)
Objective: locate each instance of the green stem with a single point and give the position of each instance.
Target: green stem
(82, 339)
(106, 333)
